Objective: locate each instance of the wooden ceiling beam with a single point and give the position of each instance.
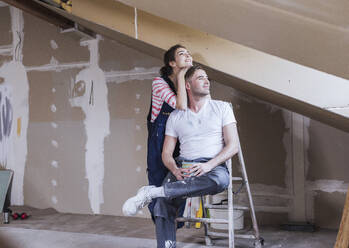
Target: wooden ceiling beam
(41, 12)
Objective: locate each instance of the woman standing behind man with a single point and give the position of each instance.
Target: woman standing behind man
(168, 93)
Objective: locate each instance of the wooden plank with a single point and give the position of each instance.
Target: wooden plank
(343, 233)
(39, 11)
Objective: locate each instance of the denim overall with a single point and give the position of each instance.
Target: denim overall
(156, 134)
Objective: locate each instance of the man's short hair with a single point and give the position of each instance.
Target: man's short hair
(190, 72)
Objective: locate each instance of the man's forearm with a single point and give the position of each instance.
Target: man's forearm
(167, 157)
(231, 146)
(169, 162)
(227, 153)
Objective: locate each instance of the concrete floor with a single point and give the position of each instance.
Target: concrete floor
(48, 228)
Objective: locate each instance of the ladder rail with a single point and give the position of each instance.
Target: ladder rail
(248, 190)
(230, 207)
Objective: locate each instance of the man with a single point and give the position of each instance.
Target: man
(207, 135)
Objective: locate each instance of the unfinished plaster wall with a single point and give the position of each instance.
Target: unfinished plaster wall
(129, 74)
(327, 178)
(75, 121)
(67, 111)
(56, 136)
(5, 37)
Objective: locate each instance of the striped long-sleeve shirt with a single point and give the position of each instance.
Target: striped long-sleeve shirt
(161, 92)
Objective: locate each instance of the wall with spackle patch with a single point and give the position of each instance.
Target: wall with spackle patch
(84, 144)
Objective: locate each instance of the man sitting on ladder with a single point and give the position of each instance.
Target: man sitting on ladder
(207, 135)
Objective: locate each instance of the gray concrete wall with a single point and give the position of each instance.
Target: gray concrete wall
(86, 149)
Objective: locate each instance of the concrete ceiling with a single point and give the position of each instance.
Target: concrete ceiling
(314, 33)
(333, 12)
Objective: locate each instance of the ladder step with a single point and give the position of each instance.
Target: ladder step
(271, 209)
(236, 178)
(222, 206)
(225, 234)
(203, 220)
(237, 207)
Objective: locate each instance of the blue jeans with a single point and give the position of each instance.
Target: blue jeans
(176, 192)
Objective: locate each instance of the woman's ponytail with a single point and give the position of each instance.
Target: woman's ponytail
(166, 71)
(169, 56)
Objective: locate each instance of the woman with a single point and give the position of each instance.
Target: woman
(168, 93)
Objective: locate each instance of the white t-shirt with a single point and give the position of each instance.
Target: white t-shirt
(200, 134)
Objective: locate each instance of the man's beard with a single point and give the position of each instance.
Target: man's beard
(201, 94)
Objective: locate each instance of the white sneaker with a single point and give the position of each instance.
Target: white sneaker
(136, 203)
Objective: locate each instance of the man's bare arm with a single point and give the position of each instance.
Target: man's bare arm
(231, 147)
(167, 157)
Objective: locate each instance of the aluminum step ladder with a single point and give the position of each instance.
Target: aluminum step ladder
(258, 240)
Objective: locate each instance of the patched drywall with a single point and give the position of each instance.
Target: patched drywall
(14, 110)
(328, 153)
(68, 45)
(56, 142)
(5, 37)
(5, 24)
(117, 57)
(129, 75)
(327, 173)
(128, 137)
(87, 104)
(17, 113)
(5, 87)
(326, 207)
(89, 91)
